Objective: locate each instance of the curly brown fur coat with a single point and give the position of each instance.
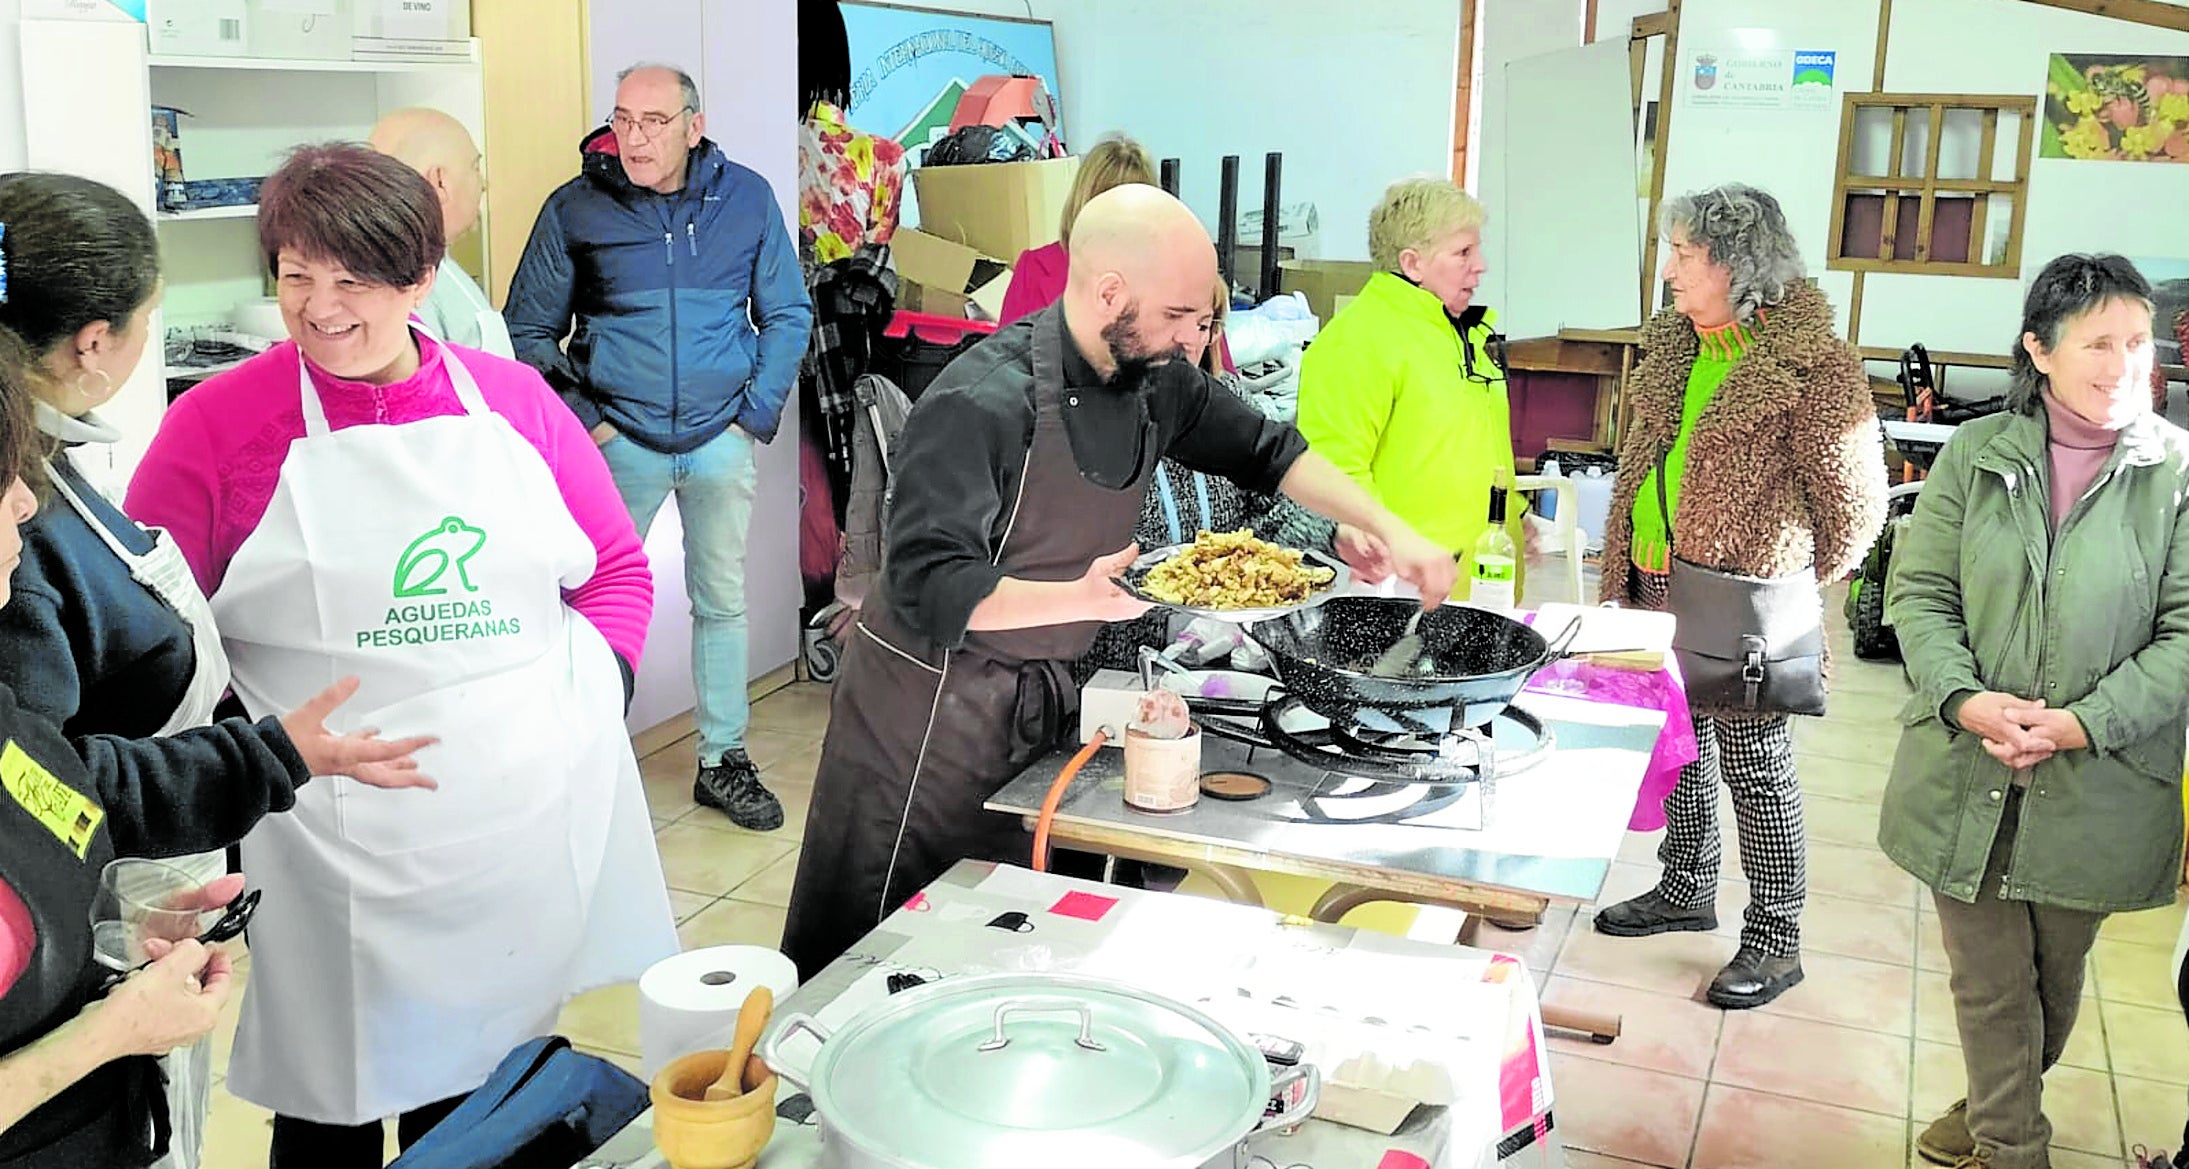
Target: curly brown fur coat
(1786, 468)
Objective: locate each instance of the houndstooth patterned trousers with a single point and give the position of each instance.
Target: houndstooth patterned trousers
(1754, 757)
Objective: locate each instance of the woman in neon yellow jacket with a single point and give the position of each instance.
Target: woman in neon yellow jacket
(1400, 390)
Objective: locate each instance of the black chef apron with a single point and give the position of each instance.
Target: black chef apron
(921, 736)
(53, 843)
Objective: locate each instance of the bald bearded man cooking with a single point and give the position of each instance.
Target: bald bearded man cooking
(1016, 484)
(438, 147)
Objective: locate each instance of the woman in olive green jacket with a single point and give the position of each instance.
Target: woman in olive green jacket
(2041, 598)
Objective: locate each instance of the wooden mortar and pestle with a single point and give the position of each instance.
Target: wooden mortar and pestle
(715, 1109)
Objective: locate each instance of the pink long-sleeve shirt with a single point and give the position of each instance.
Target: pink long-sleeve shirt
(211, 470)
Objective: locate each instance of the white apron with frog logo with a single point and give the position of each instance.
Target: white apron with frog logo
(409, 939)
(165, 573)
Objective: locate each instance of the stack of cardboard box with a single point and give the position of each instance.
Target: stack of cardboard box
(974, 222)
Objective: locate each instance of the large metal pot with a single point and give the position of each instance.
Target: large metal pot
(1008, 1071)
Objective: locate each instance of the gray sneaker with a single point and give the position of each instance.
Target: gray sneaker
(733, 788)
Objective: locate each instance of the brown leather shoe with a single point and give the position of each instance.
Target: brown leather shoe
(1752, 979)
(1652, 913)
(1947, 1140)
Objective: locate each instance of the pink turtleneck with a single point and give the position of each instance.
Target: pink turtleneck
(2078, 449)
(212, 468)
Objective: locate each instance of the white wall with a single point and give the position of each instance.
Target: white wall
(13, 147)
(1354, 101)
(743, 54)
(1791, 153)
(1510, 31)
(2073, 206)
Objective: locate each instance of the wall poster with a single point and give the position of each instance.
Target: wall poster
(2116, 109)
(1763, 79)
(909, 66)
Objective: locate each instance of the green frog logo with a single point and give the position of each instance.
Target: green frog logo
(451, 544)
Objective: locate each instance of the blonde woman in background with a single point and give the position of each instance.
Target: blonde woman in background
(1037, 279)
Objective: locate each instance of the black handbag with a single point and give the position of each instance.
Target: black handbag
(1747, 643)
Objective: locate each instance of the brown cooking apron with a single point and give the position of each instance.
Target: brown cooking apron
(920, 735)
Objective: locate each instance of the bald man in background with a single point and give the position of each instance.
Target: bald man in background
(438, 147)
(1015, 487)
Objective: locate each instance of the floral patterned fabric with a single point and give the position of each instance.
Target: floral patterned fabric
(850, 186)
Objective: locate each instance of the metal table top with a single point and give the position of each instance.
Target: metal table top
(1551, 833)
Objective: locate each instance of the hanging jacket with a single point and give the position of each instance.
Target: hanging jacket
(686, 312)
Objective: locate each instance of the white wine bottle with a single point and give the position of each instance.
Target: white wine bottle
(1496, 573)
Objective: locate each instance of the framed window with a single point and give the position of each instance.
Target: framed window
(1919, 187)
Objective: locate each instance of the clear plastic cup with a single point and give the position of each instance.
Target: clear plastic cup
(139, 900)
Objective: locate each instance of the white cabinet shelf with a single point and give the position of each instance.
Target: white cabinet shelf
(242, 211)
(165, 61)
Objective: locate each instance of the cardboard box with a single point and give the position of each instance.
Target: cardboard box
(996, 208)
(416, 20)
(278, 31)
(1324, 281)
(937, 276)
(197, 28)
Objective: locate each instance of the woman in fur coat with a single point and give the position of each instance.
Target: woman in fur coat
(1773, 465)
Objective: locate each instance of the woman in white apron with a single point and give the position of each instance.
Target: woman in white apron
(112, 636)
(363, 501)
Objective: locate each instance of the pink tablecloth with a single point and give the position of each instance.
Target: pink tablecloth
(1660, 690)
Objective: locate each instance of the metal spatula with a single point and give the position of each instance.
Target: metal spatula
(1404, 652)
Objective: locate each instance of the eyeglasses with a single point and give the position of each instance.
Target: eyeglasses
(646, 126)
(1493, 347)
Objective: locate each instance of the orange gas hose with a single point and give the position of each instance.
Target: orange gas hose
(1049, 803)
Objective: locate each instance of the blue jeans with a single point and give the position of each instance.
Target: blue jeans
(714, 489)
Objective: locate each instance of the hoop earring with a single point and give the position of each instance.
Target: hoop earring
(106, 382)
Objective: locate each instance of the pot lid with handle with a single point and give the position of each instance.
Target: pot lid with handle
(1050, 1070)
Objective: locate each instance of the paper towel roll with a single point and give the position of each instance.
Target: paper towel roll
(690, 1002)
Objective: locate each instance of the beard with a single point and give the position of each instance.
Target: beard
(1135, 358)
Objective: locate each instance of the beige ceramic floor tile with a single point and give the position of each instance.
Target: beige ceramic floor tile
(1814, 1061)
(772, 885)
(2152, 927)
(667, 774)
(1537, 948)
(766, 748)
(1940, 1079)
(2070, 1159)
(1854, 929)
(1640, 848)
(796, 768)
(1930, 942)
(2133, 973)
(2151, 1112)
(1755, 1130)
(237, 1135)
(683, 905)
(699, 858)
(730, 922)
(1849, 992)
(1576, 1159)
(2079, 1102)
(1860, 874)
(1832, 820)
(606, 1018)
(798, 709)
(2147, 1042)
(1680, 965)
(1626, 1112)
(1658, 1032)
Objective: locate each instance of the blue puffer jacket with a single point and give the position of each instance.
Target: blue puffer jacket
(666, 291)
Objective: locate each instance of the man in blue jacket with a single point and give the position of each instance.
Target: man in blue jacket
(690, 319)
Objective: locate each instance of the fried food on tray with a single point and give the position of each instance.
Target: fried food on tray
(1233, 570)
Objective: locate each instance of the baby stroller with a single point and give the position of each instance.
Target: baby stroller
(1930, 422)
